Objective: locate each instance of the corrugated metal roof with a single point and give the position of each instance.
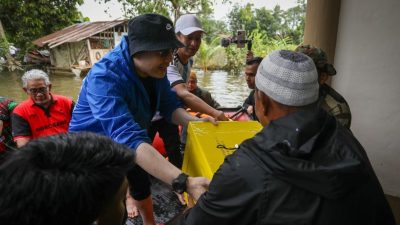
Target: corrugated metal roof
(76, 32)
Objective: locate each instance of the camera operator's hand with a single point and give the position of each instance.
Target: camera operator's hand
(249, 56)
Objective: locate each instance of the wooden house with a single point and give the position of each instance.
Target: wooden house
(74, 49)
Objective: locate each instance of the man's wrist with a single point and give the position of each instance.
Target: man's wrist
(218, 113)
(179, 184)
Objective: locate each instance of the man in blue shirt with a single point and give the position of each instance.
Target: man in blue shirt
(121, 94)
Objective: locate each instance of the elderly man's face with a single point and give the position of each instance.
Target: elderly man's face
(192, 84)
(38, 91)
(250, 72)
(153, 63)
(192, 43)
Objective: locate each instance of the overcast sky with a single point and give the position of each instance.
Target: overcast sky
(95, 11)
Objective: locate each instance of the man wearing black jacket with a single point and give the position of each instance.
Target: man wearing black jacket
(303, 167)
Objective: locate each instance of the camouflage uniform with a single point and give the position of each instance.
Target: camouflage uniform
(329, 99)
(6, 107)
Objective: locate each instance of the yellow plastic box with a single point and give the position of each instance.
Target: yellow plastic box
(207, 144)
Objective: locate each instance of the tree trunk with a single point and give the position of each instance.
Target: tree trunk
(11, 63)
(2, 33)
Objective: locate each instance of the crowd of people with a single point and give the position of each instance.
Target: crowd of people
(89, 162)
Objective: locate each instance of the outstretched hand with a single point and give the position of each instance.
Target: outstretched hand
(221, 117)
(181, 198)
(209, 119)
(196, 186)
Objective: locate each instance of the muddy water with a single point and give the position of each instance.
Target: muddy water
(229, 90)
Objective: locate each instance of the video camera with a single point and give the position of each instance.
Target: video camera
(240, 40)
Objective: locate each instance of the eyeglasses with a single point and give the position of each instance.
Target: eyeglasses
(162, 53)
(166, 52)
(34, 91)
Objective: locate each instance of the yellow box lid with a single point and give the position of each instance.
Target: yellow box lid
(207, 145)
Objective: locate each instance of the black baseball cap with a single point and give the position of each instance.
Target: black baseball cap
(151, 32)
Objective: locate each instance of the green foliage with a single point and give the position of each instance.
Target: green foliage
(25, 21)
(236, 58)
(263, 45)
(213, 28)
(4, 46)
(268, 29)
(174, 8)
(275, 23)
(242, 18)
(293, 25)
(205, 55)
(268, 20)
(168, 8)
(7, 61)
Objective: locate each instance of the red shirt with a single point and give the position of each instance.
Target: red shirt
(30, 120)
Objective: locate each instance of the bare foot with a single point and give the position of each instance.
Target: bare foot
(130, 206)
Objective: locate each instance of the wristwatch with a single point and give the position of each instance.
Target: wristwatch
(179, 183)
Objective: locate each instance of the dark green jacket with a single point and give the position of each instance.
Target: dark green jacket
(206, 97)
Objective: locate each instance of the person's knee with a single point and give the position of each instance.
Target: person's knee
(139, 183)
(140, 195)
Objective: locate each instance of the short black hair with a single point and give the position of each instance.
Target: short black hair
(255, 60)
(62, 180)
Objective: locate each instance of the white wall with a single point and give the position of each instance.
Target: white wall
(368, 64)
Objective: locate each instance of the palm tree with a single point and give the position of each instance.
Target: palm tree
(205, 55)
(263, 45)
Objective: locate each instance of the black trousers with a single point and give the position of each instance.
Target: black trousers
(139, 183)
(170, 134)
(139, 180)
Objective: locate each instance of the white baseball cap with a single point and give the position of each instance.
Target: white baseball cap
(187, 24)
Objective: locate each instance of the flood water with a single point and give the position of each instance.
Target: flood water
(227, 89)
